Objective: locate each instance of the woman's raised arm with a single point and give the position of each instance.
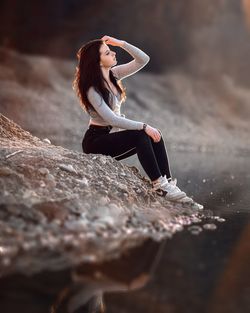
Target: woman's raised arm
(127, 69)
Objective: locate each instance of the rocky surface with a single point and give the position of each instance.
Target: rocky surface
(83, 215)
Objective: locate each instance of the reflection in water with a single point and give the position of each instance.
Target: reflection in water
(203, 270)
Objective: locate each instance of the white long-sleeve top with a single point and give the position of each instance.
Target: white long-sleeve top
(103, 115)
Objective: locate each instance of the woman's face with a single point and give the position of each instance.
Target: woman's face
(107, 56)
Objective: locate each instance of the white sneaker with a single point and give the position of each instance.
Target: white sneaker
(173, 182)
(186, 199)
(165, 189)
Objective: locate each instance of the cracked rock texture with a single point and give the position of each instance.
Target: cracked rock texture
(94, 202)
(84, 216)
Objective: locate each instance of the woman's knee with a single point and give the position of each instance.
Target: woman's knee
(160, 134)
(142, 136)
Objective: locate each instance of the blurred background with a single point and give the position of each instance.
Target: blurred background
(196, 89)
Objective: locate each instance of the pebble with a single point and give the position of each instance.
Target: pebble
(46, 140)
(42, 184)
(194, 229)
(103, 160)
(124, 187)
(109, 221)
(177, 227)
(103, 201)
(28, 245)
(196, 220)
(68, 167)
(29, 193)
(197, 206)
(51, 180)
(221, 219)
(58, 191)
(77, 225)
(209, 226)
(83, 182)
(108, 179)
(57, 222)
(89, 258)
(5, 171)
(43, 171)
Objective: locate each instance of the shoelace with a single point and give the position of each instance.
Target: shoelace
(176, 187)
(173, 182)
(163, 184)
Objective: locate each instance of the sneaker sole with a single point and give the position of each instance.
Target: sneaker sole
(197, 206)
(164, 193)
(193, 204)
(188, 200)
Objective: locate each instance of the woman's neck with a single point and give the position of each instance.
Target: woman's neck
(105, 73)
(110, 85)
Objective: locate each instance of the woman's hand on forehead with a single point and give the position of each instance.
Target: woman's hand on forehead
(112, 41)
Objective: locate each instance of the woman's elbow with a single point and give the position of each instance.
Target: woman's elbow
(144, 60)
(147, 58)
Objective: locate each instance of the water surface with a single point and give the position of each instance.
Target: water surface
(208, 272)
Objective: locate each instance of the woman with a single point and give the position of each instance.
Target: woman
(98, 85)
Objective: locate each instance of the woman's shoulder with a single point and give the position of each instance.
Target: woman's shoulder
(92, 91)
(94, 96)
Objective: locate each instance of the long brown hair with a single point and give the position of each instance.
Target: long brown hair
(88, 73)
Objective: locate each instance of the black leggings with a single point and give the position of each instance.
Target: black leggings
(122, 144)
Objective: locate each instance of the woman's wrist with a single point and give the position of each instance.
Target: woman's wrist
(122, 43)
(144, 126)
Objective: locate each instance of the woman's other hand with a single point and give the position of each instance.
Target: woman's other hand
(112, 41)
(154, 133)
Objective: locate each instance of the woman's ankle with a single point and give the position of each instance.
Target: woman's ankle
(157, 180)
